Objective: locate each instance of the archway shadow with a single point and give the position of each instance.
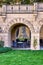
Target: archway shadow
(19, 38)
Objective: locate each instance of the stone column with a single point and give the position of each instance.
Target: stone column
(7, 40)
(36, 37)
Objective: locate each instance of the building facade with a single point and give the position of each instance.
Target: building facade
(30, 16)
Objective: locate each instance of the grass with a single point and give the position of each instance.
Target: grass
(19, 57)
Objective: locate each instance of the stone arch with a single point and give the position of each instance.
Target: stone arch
(14, 21)
(40, 24)
(41, 37)
(19, 20)
(40, 32)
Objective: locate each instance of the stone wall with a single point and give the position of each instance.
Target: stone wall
(33, 21)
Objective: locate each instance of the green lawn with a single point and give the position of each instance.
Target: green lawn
(19, 57)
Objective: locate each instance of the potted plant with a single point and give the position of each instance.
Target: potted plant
(21, 39)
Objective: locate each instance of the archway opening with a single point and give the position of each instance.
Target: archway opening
(20, 36)
(41, 38)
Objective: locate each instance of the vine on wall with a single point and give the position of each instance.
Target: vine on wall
(35, 43)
